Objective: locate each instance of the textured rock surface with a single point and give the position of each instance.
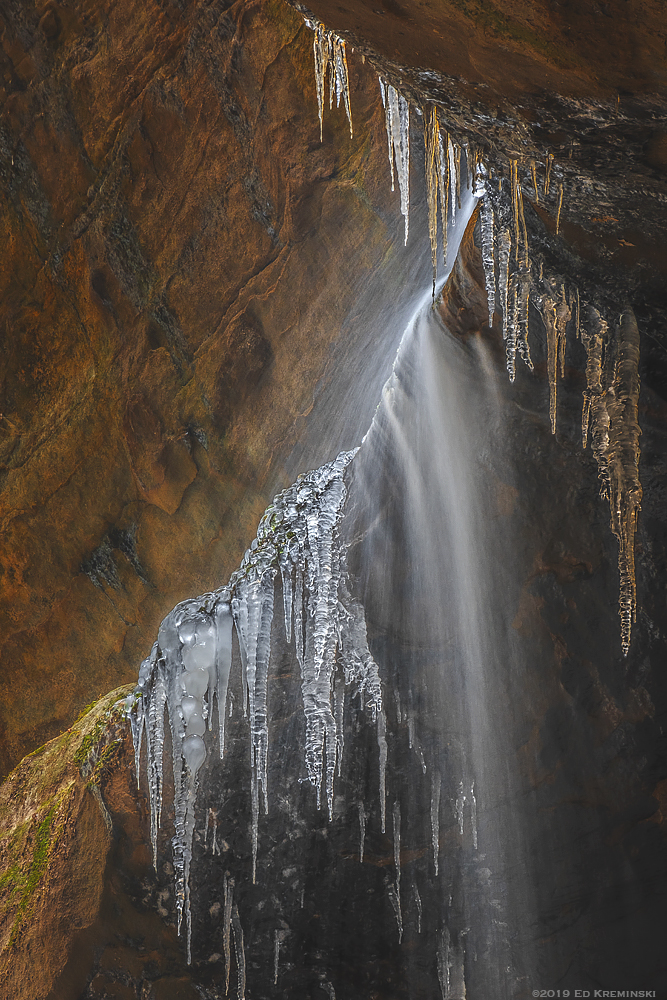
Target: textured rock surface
(585, 740)
(55, 833)
(180, 254)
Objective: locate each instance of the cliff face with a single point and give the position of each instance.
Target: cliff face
(170, 222)
(186, 286)
(583, 727)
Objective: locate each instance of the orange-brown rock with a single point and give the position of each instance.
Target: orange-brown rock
(180, 252)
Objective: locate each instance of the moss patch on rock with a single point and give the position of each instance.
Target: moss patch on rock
(45, 806)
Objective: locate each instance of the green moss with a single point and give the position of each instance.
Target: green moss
(20, 880)
(106, 760)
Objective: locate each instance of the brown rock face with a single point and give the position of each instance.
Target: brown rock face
(170, 222)
(54, 838)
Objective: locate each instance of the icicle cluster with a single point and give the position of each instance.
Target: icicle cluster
(189, 666)
(330, 58)
(397, 118)
(505, 250)
(609, 415)
(443, 181)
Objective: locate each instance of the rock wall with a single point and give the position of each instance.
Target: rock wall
(180, 255)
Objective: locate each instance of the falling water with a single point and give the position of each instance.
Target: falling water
(430, 555)
(409, 548)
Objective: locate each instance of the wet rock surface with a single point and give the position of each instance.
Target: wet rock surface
(181, 254)
(180, 293)
(583, 727)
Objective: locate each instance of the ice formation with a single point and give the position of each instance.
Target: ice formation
(397, 868)
(189, 666)
(330, 58)
(436, 782)
(451, 967)
(397, 118)
(609, 416)
(504, 239)
(186, 677)
(443, 181)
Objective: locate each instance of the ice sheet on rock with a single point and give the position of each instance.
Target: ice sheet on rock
(190, 665)
(451, 967)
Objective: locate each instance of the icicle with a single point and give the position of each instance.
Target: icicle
(547, 174)
(396, 907)
(339, 703)
(389, 126)
(611, 410)
(560, 205)
(534, 177)
(524, 230)
(625, 493)
(397, 865)
(240, 952)
(453, 177)
(457, 172)
(431, 138)
(435, 817)
(418, 904)
(488, 258)
(443, 183)
(228, 889)
(460, 807)
(382, 747)
(329, 52)
(286, 570)
(473, 815)
(190, 664)
(442, 957)
(510, 328)
(342, 77)
(276, 956)
(398, 127)
(514, 189)
(594, 344)
(223, 623)
(522, 304)
(504, 251)
(556, 315)
(362, 830)
(451, 967)
(322, 51)
(212, 821)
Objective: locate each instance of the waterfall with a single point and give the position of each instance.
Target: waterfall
(389, 563)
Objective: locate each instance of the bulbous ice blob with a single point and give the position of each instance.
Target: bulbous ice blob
(194, 752)
(195, 682)
(205, 631)
(187, 632)
(200, 656)
(190, 706)
(195, 726)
